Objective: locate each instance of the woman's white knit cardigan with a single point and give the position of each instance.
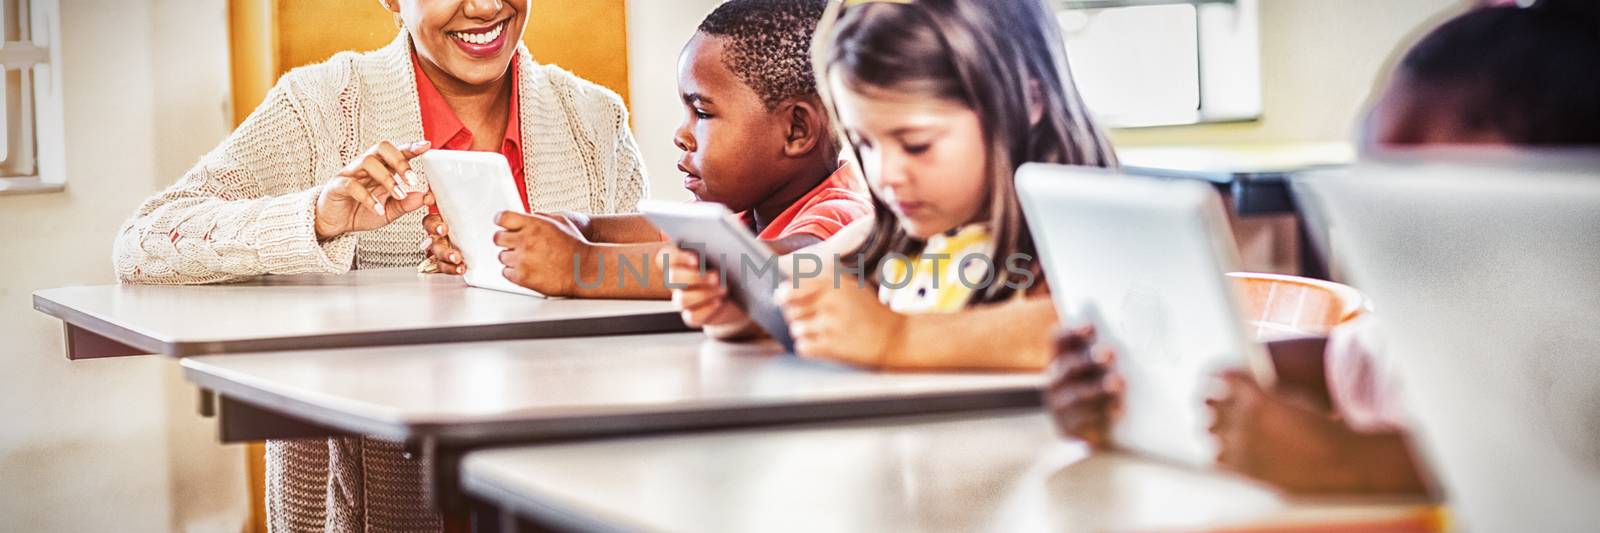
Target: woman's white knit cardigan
(246, 209)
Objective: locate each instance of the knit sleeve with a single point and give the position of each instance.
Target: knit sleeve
(606, 118)
(246, 209)
(619, 181)
(632, 183)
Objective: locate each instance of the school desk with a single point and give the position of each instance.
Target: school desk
(991, 471)
(361, 308)
(1256, 176)
(444, 399)
(1256, 179)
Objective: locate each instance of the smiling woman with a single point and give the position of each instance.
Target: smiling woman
(318, 179)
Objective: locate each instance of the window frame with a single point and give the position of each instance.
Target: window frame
(40, 51)
(1228, 62)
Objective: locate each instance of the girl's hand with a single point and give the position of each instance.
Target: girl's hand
(540, 252)
(1084, 394)
(373, 190)
(846, 323)
(699, 294)
(438, 247)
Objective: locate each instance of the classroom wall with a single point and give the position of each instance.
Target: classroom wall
(657, 31)
(112, 445)
(1320, 60)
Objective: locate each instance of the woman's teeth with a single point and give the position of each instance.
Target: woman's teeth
(479, 38)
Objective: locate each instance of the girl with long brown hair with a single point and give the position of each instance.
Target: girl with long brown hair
(941, 101)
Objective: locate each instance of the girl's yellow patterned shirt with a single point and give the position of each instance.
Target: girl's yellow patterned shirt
(943, 277)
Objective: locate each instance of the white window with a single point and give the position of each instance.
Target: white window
(32, 144)
(1165, 62)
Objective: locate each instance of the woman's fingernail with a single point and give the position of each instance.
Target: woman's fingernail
(455, 257)
(411, 178)
(378, 206)
(399, 190)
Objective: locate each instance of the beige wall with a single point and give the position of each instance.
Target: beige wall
(657, 31)
(111, 445)
(1320, 60)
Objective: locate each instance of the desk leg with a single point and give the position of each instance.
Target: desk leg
(208, 403)
(443, 485)
(1312, 263)
(442, 474)
(488, 519)
(85, 344)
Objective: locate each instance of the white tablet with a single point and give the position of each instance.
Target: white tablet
(471, 188)
(1482, 267)
(1146, 261)
(750, 269)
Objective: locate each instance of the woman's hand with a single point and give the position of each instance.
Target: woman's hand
(844, 323)
(438, 247)
(541, 251)
(699, 294)
(373, 190)
(1084, 394)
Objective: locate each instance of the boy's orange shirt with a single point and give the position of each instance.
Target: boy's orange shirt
(829, 207)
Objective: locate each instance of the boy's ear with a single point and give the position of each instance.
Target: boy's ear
(806, 127)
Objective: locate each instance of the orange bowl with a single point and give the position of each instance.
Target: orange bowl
(1278, 306)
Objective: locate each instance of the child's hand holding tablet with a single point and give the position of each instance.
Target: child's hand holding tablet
(544, 252)
(743, 265)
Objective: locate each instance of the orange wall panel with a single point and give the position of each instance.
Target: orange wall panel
(588, 37)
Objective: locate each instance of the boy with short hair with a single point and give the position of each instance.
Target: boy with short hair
(755, 138)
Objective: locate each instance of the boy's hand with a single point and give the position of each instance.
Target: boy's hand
(438, 247)
(847, 323)
(699, 294)
(1084, 394)
(576, 222)
(541, 251)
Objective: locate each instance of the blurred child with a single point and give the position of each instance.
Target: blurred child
(942, 101)
(1495, 76)
(755, 138)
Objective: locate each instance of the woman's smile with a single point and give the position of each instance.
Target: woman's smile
(484, 42)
